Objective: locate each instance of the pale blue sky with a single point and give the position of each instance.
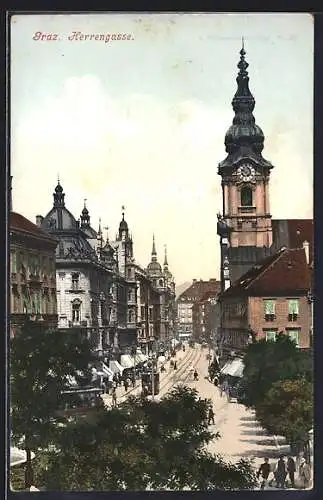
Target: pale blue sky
(142, 122)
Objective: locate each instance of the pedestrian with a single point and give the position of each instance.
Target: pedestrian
(281, 473)
(125, 383)
(114, 397)
(210, 416)
(133, 381)
(304, 474)
(291, 468)
(264, 471)
(175, 365)
(196, 375)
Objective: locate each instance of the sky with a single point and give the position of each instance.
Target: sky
(141, 121)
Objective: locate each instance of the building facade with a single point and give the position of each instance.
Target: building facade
(206, 316)
(32, 274)
(84, 279)
(185, 302)
(270, 298)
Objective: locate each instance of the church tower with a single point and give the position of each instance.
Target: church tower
(244, 226)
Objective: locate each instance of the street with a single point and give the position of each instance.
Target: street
(240, 434)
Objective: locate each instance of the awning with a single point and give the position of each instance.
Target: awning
(18, 456)
(233, 368)
(140, 358)
(115, 367)
(71, 380)
(107, 371)
(127, 361)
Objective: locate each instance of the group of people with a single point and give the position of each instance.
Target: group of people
(283, 471)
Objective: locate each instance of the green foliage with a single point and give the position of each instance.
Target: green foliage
(40, 362)
(287, 409)
(266, 362)
(144, 445)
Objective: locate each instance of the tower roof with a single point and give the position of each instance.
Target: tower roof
(154, 267)
(244, 138)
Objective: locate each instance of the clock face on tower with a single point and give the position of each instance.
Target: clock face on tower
(246, 172)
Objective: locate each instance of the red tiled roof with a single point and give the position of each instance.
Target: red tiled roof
(286, 271)
(19, 223)
(198, 288)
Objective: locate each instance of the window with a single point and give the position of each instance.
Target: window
(270, 335)
(294, 334)
(75, 281)
(131, 316)
(246, 197)
(293, 309)
(269, 309)
(13, 262)
(130, 295)
(161, 283)
(142, 312)
(129, 273)
(76, 312)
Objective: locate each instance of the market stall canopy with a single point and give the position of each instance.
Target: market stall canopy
(18, 456)
(127, 361)
(140, 358)
(115, 367)
(233, 368)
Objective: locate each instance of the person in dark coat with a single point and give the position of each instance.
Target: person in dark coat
(175, 365)
(196, 375)
(264, 471)
(291, 468)
(281, 473)
(210, 417)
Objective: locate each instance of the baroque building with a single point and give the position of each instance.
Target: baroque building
(244, 226)
(249, 237)
(84, 280)
(32, 274)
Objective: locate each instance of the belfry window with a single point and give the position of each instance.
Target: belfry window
(246, 197)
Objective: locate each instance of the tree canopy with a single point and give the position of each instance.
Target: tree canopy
(287, 410)
(41, 360)
(144, 445)
(267, 362)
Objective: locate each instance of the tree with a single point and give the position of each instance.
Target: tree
(143, 445)
(287, 410)
(41, 360)
(266, 362)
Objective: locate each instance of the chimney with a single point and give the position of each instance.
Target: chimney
(306, 247)
(39, 220)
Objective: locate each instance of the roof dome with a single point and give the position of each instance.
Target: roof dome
(154, 268)
(244, 134)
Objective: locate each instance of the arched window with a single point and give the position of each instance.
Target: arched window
(131, 316)
(246, 197)
(161, 282)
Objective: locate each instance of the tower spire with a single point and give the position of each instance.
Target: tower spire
(165, 259)
(153, 251)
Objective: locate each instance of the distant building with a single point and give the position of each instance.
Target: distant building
(206, 316)
(185, 303)
(273, 296)
(32, 274)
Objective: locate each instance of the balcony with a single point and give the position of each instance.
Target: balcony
(82, 324)
(34, 278)
(270, 317)
(293, 317)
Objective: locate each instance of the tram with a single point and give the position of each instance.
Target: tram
(79, 401)
(146, 382)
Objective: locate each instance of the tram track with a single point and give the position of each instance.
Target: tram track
(176, 378)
